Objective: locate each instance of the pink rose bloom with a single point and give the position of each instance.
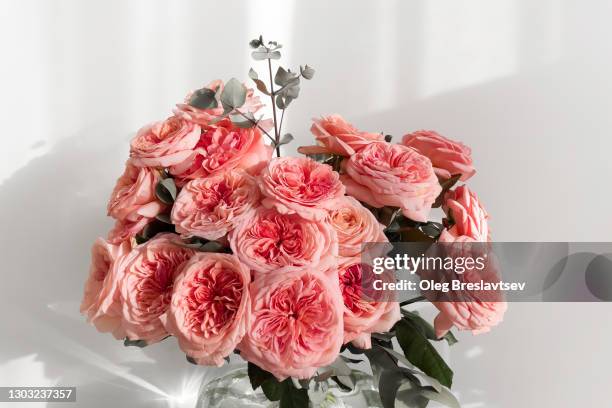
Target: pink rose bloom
(210, 207)
(296, 323)
(205, 116)
(141, 286)
(468, 215)
(164, 143)
(126, 230)
(269, 241)
(477, 311)
(355, 225)
(104, 255)
(133, 198)
(210, 306)
(363, 316)
(448, 157)
(299, 185)
(383, 174)
(337, 136)
(224, 147)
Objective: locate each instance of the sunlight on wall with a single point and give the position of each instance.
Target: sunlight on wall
(479, 42)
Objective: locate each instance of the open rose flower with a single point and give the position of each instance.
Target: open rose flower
(337, 136)
(205, 116)
(126, 230)
(470, 219)
(133, 198)
(210, 207)
(355, 225)
(362, 314)
(299, 185)
(210, 306)
(104, 255)
(224, 147)
(383, 174)
(466, 309)
(272, 242)
(141, 285)
(448, 157)
(164, 143)
(296, 323)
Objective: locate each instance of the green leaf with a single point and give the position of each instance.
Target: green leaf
(233, 95)
(272, 389)
(261, 85)
(204, 98)
(419, 351)
(282, 76)
(388, 138)
(444, 396)
(307, 72)
(293, 397)
(134, 343)
(446, 185)
(165, 218)
(287, 138)
(427, 329)
(256, 43)
(262, 53)
(257, 376)
(190, 360)
(166, 191)
(391, 381)
(245, 121)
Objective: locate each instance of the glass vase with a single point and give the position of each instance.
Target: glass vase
(233, 390)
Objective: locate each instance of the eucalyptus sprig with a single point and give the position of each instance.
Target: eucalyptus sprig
(288, 84)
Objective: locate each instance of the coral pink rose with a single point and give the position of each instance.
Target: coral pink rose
(337, 136)
(296, 323)
(205, 116)
(210, 207)
(210, 306)
(474, 310)
(224, 147)
(355, 225)
(469, 216)
(133, 198)
(382, 174)
(141, 286)
(272, 242)
(362, 315)
(299, 185)
(164, 143)
(448, 157)
(126, 230)
(104, 255)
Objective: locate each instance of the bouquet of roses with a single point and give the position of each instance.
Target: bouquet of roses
(232, 250)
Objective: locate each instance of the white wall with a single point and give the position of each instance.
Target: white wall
(526, 84)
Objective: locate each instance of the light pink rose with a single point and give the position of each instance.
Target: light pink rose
(299, 185)
(296, 323)
(469, 216)
(383, 174)
(126, 230)
(224, 147)
(210, 207)
(205, 116)
(355, 225)
(474, 310)
(363, 315)
(141, 286)
(337, 136)
(164, 143)
(133, 198)
(210, 307)
(448, 157)
(104, 255)
(272, 242)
